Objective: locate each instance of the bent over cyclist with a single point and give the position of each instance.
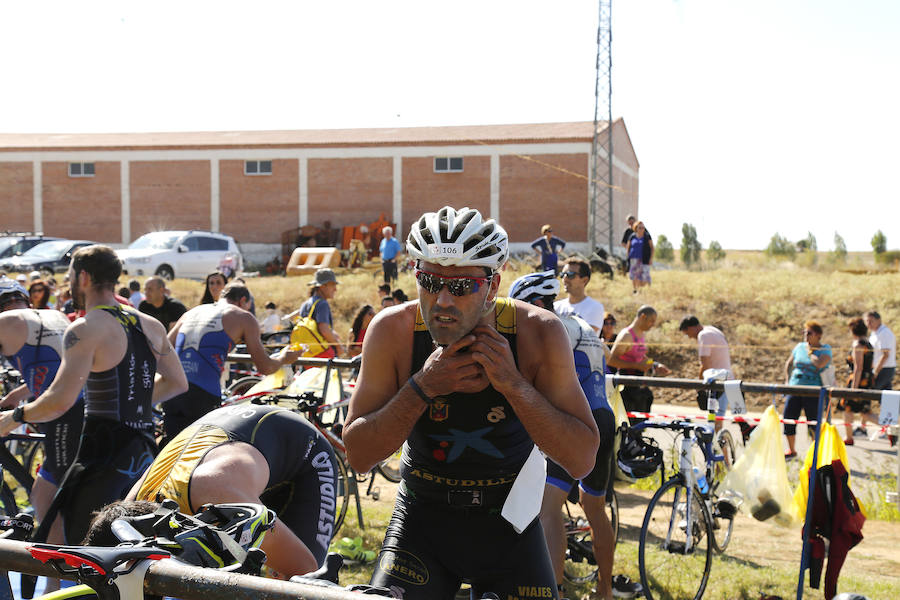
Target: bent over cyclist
(202, 337)
(32, 340)
(589, 351)
(124, 362)
(471, 382)
(261, 454)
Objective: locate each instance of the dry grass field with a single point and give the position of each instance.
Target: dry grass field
(759, 304)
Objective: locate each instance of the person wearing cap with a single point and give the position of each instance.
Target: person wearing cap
(202, 338)
(547, 246)
(322, 289)
(488, 383)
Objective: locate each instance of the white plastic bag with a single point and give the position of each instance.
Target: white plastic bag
(758, 481)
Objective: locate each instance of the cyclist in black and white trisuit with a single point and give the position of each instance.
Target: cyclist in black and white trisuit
(125, 363)
(590, 353)
(32, 341)
(471, 383)
(258, 454)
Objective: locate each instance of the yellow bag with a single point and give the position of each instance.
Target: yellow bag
(306, 335)
(758, 481)
(831, 448)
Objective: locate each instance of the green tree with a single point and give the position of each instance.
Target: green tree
(690, 245)
(808, 244)
(664, 251)
(879, 243)
(780, 247)
(715, 252)
(840, 248)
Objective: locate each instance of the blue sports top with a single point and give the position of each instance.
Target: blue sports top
(39, 357)
(202, 346)
(590, 360)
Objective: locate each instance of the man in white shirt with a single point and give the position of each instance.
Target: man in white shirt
(712, 348)
(884, 361)
(575, 276)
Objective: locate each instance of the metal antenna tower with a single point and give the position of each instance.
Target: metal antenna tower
(600, 214)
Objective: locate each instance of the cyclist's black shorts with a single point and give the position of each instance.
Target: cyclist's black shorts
(597, 481)
(111, 458)
(61, 443)
(183, 410)
(429, 549)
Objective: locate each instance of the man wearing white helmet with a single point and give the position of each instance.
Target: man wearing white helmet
(470, 382)
(590, 354)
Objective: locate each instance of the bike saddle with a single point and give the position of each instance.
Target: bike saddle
(102, 560)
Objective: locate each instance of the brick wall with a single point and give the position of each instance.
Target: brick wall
(169, 195)
(88, 208)
(546, 189)
(427, 191)
(350, 191)
(16, 196)
(257, 208)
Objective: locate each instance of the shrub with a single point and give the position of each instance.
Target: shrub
(715, 252)
(664, 251)
(780, 247)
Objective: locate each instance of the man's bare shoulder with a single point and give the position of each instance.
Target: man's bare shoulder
(531, 318)
(399, 317)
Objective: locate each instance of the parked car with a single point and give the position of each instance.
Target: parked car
(46, 257)
(12, 244)
(171, 254)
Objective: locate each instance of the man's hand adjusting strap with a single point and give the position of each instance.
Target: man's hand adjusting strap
(415, 386)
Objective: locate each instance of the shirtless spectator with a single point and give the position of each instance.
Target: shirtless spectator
(159, 305)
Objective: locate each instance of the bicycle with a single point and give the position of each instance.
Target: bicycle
(221, 536)
(19, 463)
(677, 537)
(580, 565)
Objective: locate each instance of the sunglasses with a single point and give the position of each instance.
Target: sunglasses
(568, 274)
(609, 322)
(458, 286)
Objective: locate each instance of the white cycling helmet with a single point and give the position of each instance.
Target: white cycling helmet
(458, 238)
(11, 286)
(534, 284)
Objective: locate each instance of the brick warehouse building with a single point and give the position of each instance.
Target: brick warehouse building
(253, 185)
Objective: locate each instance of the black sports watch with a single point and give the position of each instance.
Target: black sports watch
(19, 414)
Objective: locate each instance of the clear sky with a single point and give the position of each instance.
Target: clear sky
(748, 117)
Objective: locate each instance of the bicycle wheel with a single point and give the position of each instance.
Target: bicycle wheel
(341, 493)
(240, 386)
(722, 520)
(580, 565)
(669, 569)
(390, 467)
(612, 511)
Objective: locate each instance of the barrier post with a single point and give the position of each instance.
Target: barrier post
(807, 525)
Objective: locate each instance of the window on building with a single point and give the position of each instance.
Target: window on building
(81, 169)
(448, 164)
(257, 167)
